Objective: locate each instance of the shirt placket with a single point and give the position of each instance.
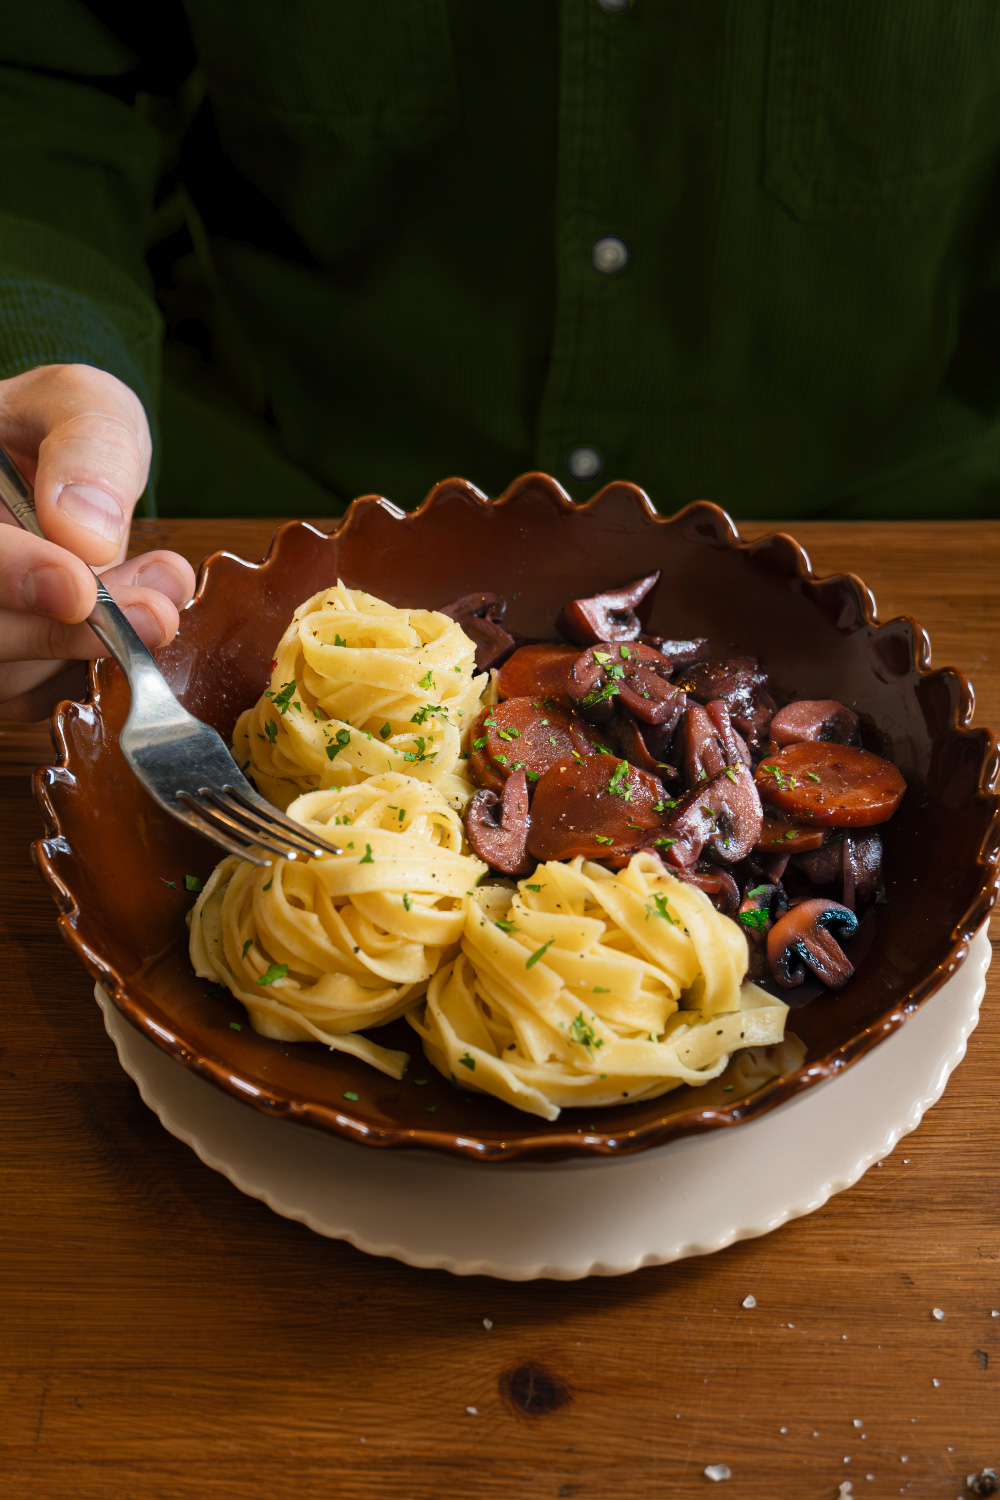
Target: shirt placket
(576, 436)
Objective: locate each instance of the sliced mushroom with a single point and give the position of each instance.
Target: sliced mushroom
(631, 675)
(718, 885)
(501, 839)
(758, 910)
(538, 671)
(710, 742)
(643, 745)
(723, 814)
(814, 719)
(861, 864)
(606, 617)
(804, 939)
(740, 684)
(681, 653)
(479, 616)
(823, 866)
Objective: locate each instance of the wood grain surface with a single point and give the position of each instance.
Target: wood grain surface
(165, 1338)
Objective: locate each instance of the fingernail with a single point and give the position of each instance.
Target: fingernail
(165, 580)
(93, 509)
(145, 623)
(52, 591)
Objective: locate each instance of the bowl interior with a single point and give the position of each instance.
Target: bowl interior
(117, 864)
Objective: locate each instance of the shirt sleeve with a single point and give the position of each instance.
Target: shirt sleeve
(79, 163)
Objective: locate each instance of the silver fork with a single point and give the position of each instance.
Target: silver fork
(182, 763)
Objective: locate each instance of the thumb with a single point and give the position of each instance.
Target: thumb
(93, 454)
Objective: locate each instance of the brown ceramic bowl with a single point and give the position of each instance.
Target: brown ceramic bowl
(108, 852)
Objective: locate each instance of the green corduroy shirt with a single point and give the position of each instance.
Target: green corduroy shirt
(345, 246)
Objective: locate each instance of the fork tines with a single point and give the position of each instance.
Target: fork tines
(228, 815)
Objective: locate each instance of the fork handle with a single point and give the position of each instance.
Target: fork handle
(107, 621)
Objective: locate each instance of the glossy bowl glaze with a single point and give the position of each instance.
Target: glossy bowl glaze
(117, 865)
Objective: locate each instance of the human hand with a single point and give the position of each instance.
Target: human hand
(80, 436)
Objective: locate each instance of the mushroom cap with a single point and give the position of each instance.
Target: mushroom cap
(804, 938)
(497, 827)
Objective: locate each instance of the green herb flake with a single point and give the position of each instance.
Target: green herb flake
(583, 1033)
(427, 681)
(661, 909)
(730, 773)
(431, 1109)
(350, 1094)
(271, 730)
(407, 903)
(235, 1026)
(664, 843)
(599, 989)
(756, 918)
(420, 1082)
(532, 887)
(812, 775)
(284, 696)
(625, 652)
(385, 731)
(602, 657)
(480, 743)
(172, 883)
(367, 858)
(538, 953)
(338, 640)
(192, 883)
(505, 925)
(468, 1062)
(758, 890)
(269, 884)
(274, 971)
(619, 786)
(341, 741)
(246, 947)
(603, 838)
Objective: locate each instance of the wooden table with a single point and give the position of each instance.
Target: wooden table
(166, 1338)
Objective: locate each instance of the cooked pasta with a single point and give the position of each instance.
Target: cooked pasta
(317, 949)
(587, 987)
(359, 687)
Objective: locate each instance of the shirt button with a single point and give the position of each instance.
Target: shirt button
(609, 254)
(614, 7)
(584, 463)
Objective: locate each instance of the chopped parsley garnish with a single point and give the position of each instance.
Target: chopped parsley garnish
(730, 773)
(600, 694)
(431, 1109)
(385, 731)
(599, 989)
(246, 947)
(427, 681)
(812, 775)
(275, 971)
(603, 838)
(602, 657)
(269, 884)
(407, 903)
(664, 843)
(661, 909)
(755, 918)
(420, 717)
(350, 1094)
(172, 883)
(538, 953)
(583, 1032)
(192, 883)
(506, 925)
(271, 730)
(341, 741)
(626, 653)
(420, 1082)
(367, 858)
(663, 806)
(619, 783)
(338, 640)
(502, 759)
(421, 752)
(283, 697)
(480, 743)
(235, 1026)
(532, 888)
(758, 890)
(468, 1062)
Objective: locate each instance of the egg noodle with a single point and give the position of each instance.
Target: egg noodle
(318, 949)
(590, 987)
(359, 687)
(581, 986)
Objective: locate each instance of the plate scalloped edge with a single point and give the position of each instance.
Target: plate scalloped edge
(955, 1021)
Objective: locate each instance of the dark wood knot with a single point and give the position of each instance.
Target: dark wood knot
(532, 1390)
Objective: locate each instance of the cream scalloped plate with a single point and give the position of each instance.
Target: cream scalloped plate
(570, 1219)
